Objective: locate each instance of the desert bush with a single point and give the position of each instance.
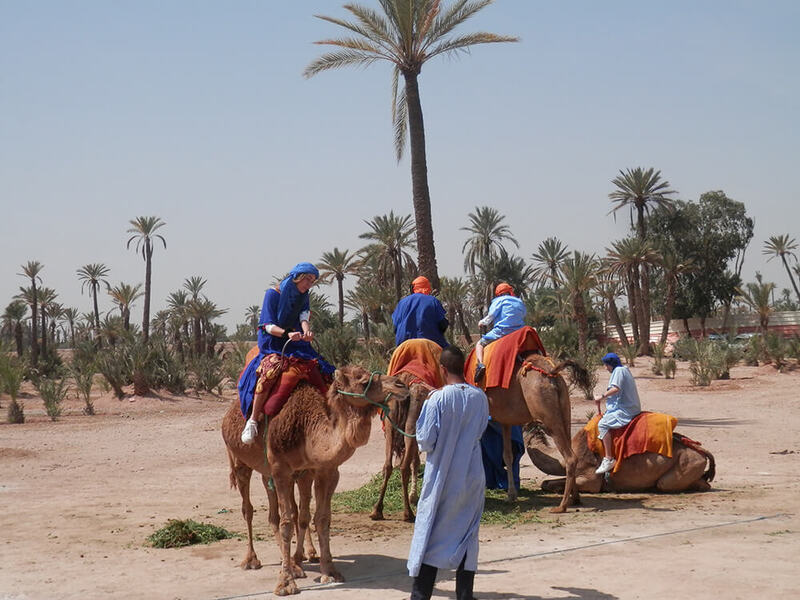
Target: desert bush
(685, 348)
(336, 344)
(729, 357)
(775, 350)
(53, 392)
(670, 366)
(234, 361)
(560, 340)
(83, 374)
(167, 370)
(793, 346)
(658, 359)
(590, 360)
(12, 371)
(114, 363)
(708, 363)
(629, 352)
(755, 351)
(207, 373)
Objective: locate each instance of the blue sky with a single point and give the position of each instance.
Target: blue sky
(197, 112)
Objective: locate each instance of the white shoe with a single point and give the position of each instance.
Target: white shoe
(249, 432)
(606, 465)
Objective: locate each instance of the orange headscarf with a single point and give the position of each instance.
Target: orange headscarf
(421, 285)
(503, 288)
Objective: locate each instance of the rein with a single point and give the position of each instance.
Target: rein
(383, 406)
(529, 366)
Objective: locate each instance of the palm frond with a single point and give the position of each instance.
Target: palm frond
(336, 60)
(399, 115)
(462, 43)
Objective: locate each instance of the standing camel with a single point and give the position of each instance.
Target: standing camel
(538, 393)
(307, 441)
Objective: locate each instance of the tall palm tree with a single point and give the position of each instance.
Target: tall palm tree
(92, 275)
(336, 265)
(31, 270)
(610, 288)
(547, 260)
(640, 190)
(194, 286)
(124, 295)
(758, 296)
(47, 299)
(13, 317)
(252, 315)
(70, 315)
(407, 34)
(454, 291)
(673, 268)
(178, 302)
(392, 236)
(144, 232)
(579, 275)
(487, 234)
(783, 246)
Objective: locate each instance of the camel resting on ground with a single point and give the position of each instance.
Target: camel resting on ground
(685, 471)
(307, 442)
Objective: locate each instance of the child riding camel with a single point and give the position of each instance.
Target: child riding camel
(506, 315)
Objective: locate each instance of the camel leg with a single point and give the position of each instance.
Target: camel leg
(377, 510)
(324, 486)
(562, 441)
(272, 498)
(303, 519)
(406, 467)
(414, 498)
(284, 488)
(412, 449)
(508, 460)
(686, 473)
(242, 475)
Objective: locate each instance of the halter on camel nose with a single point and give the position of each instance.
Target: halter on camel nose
(384, 406)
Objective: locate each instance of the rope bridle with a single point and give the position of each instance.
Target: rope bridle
(383, 406)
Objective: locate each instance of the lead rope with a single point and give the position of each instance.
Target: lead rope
(383, 406)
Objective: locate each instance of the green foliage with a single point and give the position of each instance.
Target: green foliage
(685, 348)
(207, 373)
(710, 360)
(53, 392)
(234, 360)
(178, 533)
(115, 364)
(337, 344)
(16, 412)
(560, 340)
(82, 368)
(590, 360)
(776, 349)
(629, 351)
(168, 371)
(658, 359)
(670, 366)
(12, 371)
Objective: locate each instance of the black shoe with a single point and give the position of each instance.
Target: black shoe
(480, 370)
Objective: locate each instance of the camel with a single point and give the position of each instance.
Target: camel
(538, 393)
(404, 416)
(685, 471)
(307, 441)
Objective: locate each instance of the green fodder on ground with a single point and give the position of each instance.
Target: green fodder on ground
(177, 533)
(497, 510)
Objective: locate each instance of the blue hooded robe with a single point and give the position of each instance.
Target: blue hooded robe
(419, 316)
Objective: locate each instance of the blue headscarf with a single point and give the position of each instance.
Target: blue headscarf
(290, 293)
(612, 360)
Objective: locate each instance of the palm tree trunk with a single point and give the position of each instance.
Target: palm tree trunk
(34, 326)
(18, 338)
(614, 314)
(644, 324)
(670, 304)
(463, 325)
(44, 335)
(633, 308)
(365, 324)
(398, 276)
(198, 340)
(148, 269)
(341, 299)
(789, 271)
(426, 251)
(579, 309)
(97, 339)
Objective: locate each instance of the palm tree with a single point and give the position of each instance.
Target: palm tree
(579, 274)
(640, 190)
(47, 298)
(609, 288)
(178, 302)
(673, 268)
(252, 315)
(91, 275)
(194, 286)
(454, 291)
(781, 245)
(336, 265)
(13, 317)
(485, 242)
(392, 236)
(124, 295)
(70, 315)
(31, 270)
(407, 34)
(548, 258)
(758, 297)
(144, 232)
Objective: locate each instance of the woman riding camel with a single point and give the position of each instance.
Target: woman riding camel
(284, 337)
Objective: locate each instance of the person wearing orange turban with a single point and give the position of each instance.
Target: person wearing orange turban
(420, 315)
(506, 314)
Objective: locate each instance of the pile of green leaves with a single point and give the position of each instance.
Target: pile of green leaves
(177, 533)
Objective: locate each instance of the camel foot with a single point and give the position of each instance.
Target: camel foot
(511, 497)
(409, 517)
(250, 562)
(376, 515)
(333, 577)
(558, 509)
(286, 585)
(313, 557)
(297, 567)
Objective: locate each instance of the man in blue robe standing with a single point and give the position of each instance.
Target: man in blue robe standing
(420, 315)
(449, 510)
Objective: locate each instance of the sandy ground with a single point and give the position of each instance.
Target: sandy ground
(79, 496)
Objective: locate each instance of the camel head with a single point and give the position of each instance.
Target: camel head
(361, 388)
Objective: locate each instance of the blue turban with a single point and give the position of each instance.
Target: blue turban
(302, 268)
(612, 360)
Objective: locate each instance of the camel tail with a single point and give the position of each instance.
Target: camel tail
(580, 376)
(232, 474)
(698, 447)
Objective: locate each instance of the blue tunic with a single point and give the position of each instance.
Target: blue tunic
(622, 406)
(449, 429)
(419, 316)
(506, 315)
(492, 452)
(271, 313)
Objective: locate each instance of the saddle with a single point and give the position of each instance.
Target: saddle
(420, 358)
(647, 432)
(500, 358)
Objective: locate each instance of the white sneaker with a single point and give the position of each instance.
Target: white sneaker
(249, 432)
(606, 465)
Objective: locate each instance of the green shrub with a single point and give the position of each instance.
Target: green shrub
(590, 360)
(685, 348)
(83, 374)
(53, 392)
(115, 364)
(560, 340)
(336, 344)
(658, 359)
(16, 412)
(177, 533)
(234, 360)
(207, 373)
(776, 349)
(629, 351)
(12, 371)
(670, 366)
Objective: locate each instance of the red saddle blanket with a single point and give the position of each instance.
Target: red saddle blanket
(500, 358)
(420, 358)
(647, 432)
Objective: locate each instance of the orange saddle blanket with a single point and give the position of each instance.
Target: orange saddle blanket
(420, 358)
(500, 358)
(647, 432)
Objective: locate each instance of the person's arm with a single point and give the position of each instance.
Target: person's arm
(428, 424)
(609, 392)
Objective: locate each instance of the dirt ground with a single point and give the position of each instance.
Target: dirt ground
(79, 496)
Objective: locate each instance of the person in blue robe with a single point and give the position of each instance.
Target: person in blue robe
(420, 315)
(622, 405)
(506, 315)
(492, 452)
(283, 328)
(449, 510)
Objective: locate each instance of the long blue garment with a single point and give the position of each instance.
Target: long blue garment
(419, 316)
(271, 344)
(492, 453)
(506, 315)
(622, 406)
(449, 429)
